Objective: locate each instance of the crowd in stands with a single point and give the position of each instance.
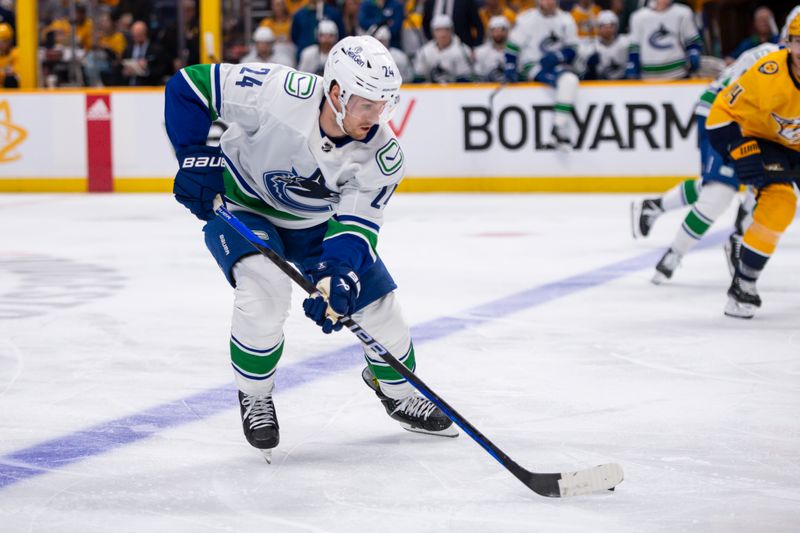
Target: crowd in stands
(144, 42)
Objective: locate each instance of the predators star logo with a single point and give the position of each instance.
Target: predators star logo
(11, 135)
(789, 129)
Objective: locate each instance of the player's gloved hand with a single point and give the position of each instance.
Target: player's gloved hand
(694, 60)
(199, 179)
(338, 288)
(551, 60)
(747, 160)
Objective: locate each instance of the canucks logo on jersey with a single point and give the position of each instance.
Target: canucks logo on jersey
(549, 43)
(291, 189)
(658, 37)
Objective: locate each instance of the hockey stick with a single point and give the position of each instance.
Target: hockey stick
(602, 477)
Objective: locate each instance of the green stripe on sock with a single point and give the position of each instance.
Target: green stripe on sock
(665, 67)
(563, 108)
(690, 191)
(387, 373)
(260, 364)
(696, 224)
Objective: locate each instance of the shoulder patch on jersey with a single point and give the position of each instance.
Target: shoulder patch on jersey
(788, 128)
(769, 67)
(389, 157)
(299, 84)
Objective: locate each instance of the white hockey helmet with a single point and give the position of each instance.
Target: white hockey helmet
(607, 17)
(362, 66)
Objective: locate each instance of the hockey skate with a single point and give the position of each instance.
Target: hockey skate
(560, 140)
(733, 248)
(666, 266)
(260, 423)
(743, 298)
(644, 215)
(414, 412)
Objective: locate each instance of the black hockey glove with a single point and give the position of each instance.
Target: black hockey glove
(337, 290)
(199, 179)
(747, 160)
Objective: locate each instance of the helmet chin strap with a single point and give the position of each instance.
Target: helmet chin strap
(339, 115)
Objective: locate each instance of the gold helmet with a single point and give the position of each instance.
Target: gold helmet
(792, 25)
(6, 32)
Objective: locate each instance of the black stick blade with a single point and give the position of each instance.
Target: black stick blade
(601, 477)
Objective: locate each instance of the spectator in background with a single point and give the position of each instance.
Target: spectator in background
(495, 8)
(445, 59)
(103, 62)
(606, 57)
(8, 58)
(523, 5)
(84, 30)
(7, 14)
(764, 31)
(584, 12)
(389, 13)
(263, 50)
(664, 42)
(313, 58)
(280, 22)
(466, 22)
(350, 10)
(304, 22)
(293, 6)
(413, 34)
(143, 62)
(490, 57)
(403, 62)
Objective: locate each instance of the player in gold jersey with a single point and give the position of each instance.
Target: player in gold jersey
(8, 58)
(755, 124)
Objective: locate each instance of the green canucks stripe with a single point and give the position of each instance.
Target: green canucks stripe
(690, 191)
(665, 67)
(708, 97)
(696, 224)
(695, 39)
(336, 228)
(563, 108)
(512, 48)
(633, 47)
(200, 77)
(255, 364)
(387, 373)
(239, 197)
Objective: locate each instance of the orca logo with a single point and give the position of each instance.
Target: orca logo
(291, 189)
(658, 39)
(549, 43)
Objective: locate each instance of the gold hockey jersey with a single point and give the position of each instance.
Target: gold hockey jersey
(764, 102)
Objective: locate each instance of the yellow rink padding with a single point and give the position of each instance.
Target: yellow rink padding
(409, 184)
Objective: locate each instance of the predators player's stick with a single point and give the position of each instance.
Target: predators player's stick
(602, 477)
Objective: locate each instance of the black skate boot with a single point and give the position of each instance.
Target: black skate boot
(743, 298)
(260, 423)
(666, 266)
(644, 215)
(414, 412)
(733, 249)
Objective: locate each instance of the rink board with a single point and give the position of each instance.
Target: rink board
(629, 136)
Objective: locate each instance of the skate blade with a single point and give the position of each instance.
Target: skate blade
(267, 455)
(739, 310)
(450, 431)
(658, 278)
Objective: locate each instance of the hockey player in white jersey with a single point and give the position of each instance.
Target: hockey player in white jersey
(710, 195)
(490, 57)
(541, 47)
(443, 59)
(309, 165)
(314, 57)
(664, 42)
(604, 57)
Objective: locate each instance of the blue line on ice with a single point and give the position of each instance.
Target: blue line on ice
(56, 453)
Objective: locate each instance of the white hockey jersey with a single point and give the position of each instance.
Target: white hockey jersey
(312, 60)
(731, 74)
(446, 65)
(490, 62)
(535, 35)
(613, 57)
(661, 39)
(281, 163)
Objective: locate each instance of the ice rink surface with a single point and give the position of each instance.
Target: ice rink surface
(533, 316)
